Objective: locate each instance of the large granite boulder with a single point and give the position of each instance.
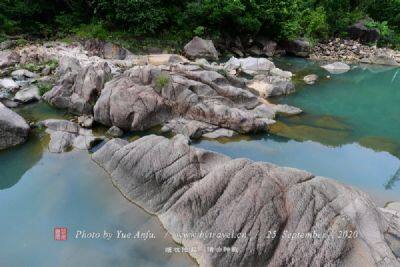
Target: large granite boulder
(79, 88)
(13, 128)
(251, 213)
(200, 48)
(299, 47)
(360, 32)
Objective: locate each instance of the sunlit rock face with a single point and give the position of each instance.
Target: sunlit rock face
(277, 216)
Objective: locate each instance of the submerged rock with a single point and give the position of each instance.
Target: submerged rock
(219, 133)
(275, 216)
(13, 128)
(336, 68)
(200, 48)
(310, 79)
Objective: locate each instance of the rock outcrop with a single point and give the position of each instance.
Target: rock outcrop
(200, 48)
(13, 128)
(79, 88)
(147, 96)
(269, 215)
(65, 135)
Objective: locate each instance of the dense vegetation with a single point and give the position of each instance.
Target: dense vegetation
(180, 19)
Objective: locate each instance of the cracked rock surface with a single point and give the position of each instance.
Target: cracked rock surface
(196, 191)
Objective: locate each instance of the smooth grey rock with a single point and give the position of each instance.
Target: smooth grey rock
(310, 79)
(200, 48)
(336, 68)
(13, 128)
(220, 133)
(68, 64)
(114, 131)
(9, 103)
(190, 128)
(66, 135)
(281, 214)
(382, 57)
(287, 110)
(61, 141)
(8, 84)
(23, 74)
(86, 121)
(281, 73)
(28, 94)
(269, 86)
(86, 142)
(250, 65)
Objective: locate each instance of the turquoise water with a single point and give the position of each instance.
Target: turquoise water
(40, 191)
(349, 130)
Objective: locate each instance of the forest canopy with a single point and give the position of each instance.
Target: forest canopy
(313, 19)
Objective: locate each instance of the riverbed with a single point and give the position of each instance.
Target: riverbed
(349, 132)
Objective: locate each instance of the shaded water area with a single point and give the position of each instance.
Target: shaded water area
(40, 191)
(349, 130)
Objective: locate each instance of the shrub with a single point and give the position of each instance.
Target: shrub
(44, 88)
(162, 80)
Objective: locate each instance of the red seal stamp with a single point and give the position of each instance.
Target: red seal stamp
(60, 233)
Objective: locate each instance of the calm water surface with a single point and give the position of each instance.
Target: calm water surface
(350, 129)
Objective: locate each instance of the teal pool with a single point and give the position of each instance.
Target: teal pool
(349, 131)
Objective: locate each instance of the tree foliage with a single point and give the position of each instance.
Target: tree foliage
(287, 19)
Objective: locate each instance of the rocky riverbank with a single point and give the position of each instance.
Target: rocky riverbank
(197, 191)
(354, 52)
(117, 88)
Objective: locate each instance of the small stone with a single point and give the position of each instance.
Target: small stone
(115, 132)
(310, 79)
